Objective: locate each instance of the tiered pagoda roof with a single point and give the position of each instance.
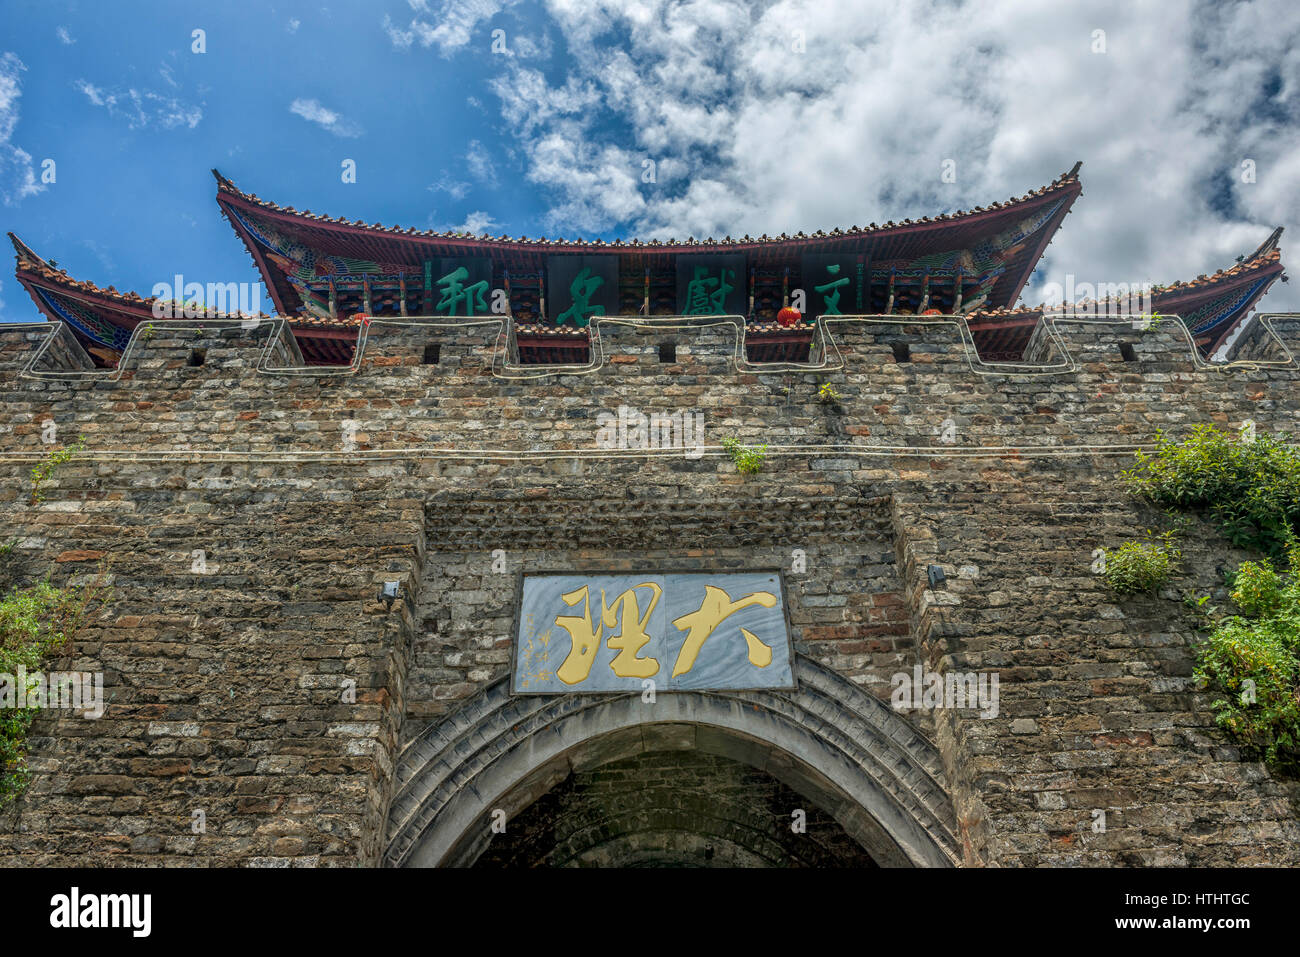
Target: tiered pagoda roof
(323, 273)
(102, 319)
(1212, 307)
(274, 234)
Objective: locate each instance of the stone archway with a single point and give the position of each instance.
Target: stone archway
(845, 751)
(678, 805)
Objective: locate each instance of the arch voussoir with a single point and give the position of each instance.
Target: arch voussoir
(862, 763)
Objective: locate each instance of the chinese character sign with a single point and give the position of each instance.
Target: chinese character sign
(580, 287)
(712, 286)
(697, 631)
(461, 286)
(834, 284)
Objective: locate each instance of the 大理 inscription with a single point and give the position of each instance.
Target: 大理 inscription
(698, 631)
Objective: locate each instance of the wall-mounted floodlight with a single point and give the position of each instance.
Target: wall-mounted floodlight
(936, 576)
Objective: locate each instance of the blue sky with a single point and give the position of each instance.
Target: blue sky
(758, 117)
(132, 201)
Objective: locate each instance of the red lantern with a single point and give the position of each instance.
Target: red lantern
(788, 317)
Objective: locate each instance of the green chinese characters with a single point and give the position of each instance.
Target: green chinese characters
(455, 293)
(582, 288)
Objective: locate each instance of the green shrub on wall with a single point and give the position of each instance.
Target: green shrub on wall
(1252, 661)
(1257, 589)
(21, 645)
(749, 460)
(36, 621)
(1142, 566)
(47, 467)
(1251, 487)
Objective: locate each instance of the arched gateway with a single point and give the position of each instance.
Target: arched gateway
(766, 512)
(828, 741)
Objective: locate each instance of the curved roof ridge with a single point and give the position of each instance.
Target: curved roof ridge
(1002, 311)
(1267, 245)
(38, 266)
(1257, 261)
(1254, 263)
(225, 185)
(23, 252)
(42, 268)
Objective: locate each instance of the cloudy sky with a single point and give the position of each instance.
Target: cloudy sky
(647, 118)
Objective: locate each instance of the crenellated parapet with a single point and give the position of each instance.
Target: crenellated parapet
(1057, 344)
(330, 279)
(874, 386)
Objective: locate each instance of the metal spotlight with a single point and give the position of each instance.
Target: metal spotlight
(389, 593)
(935, 573)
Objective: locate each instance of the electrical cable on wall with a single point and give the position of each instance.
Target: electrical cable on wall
(503, 370)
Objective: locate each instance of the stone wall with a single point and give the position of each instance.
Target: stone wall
(849, 615)
(228, 680)
(673, 808)
(223, 685)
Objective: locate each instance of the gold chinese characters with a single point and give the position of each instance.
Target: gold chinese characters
(585, 633)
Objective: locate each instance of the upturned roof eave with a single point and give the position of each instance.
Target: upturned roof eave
(227, 192)
(34, 272)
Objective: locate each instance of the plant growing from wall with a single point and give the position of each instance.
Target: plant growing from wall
(46, 468)
(1252, 661)
(8, 563)
(1141, 566)
(1251, 485)
(35, 622)
(749, 460)
(1252, 488)
(826, 395)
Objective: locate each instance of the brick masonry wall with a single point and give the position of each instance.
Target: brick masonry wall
(672, 808)
(306, 492)
(224, 686)
(846, 609)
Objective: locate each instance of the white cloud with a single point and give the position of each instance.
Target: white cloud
(17, 175)
(64, 36)
(476, 222)
(481, 168)
(327, 119)
(480, 165)
(529, 48)
(449, 29)
(92, 92)
(293, 25)
(456, 189)
(750, 135)
(143, 108)
(402, 39)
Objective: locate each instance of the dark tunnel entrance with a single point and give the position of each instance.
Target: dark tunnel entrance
(673, 809)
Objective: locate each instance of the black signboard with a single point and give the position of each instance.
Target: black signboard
(834, 284)
(459, 285)
(579, 287)
(712, 286)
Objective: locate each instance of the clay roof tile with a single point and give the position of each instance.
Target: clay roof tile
(226, 187)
